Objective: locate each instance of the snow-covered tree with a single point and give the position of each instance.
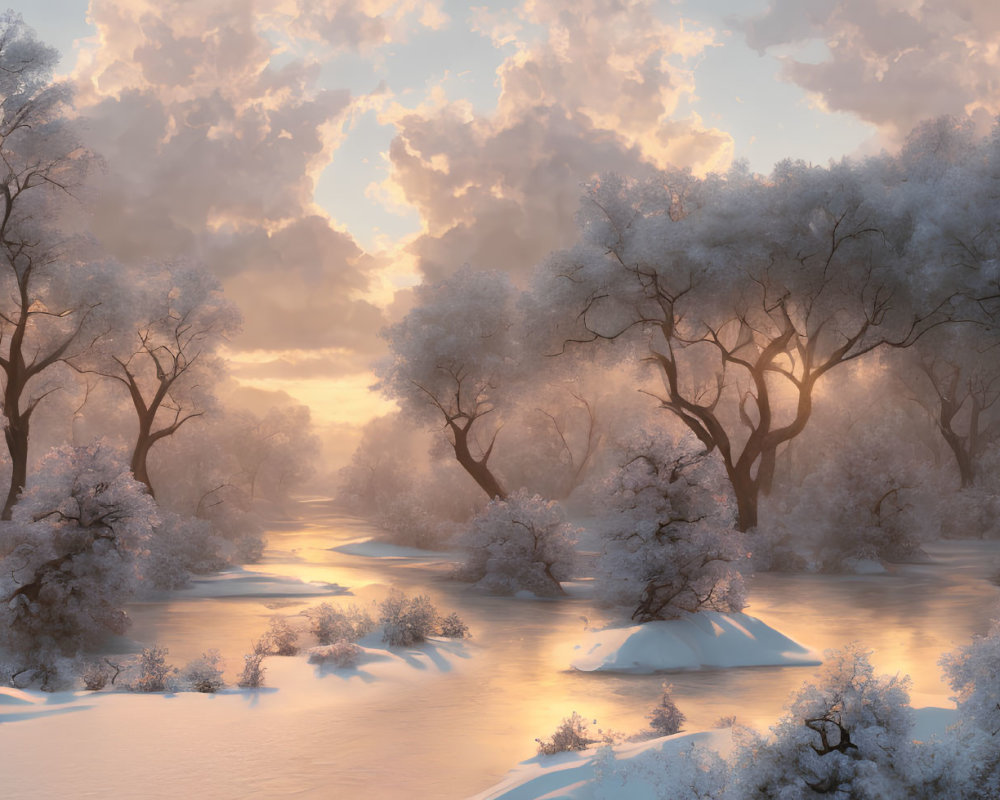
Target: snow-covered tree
(451, 356)
(522, 543)
(71, 557)
(48, 293)
(669, 547)
(742, 293)
(163, 353)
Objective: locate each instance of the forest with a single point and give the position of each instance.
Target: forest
(732, 391)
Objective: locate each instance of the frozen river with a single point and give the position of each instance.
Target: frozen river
(448, 729)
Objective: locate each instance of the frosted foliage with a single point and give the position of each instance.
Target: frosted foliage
(520, 544)
(459, 334)
(572, 734)
(71, 556)
(341, 654)
(864, 503)
(669, 543)
(330, 624)
(666, 718)
(407, 621)
(845, 736)
(973, 672)
(694, 773)
(204, 674)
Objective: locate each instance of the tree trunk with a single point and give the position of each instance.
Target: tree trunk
(140, 454)
(477, 469)
(747, 491)
(16, 434)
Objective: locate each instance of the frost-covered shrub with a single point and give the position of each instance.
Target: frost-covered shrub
(669, 542)
(848, 735)
(70, 559)
(95, 676)
(151, 672)
(252, 676)
(522, 543)
(863, 504)
(342, 654)
(280, 638)
(973, 672)
(181, 546)
(330, 624)
(972, 513)
(453, 627)
(573, 733)
(666, 718)
(407, 621)
(204, 674)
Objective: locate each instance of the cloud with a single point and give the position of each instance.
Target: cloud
(213, 139)
(892, 64)
(598, 91)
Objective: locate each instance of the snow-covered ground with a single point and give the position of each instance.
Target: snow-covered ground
(706, 639)
(640, 770)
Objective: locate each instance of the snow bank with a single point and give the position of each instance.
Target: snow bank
(705, 639)
(244, 583)
(583, 775)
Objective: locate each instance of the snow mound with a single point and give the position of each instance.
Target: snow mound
(705, 639)
(585, 775)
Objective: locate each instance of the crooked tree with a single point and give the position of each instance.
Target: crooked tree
(742, 293)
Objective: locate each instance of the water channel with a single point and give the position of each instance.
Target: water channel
(452, 733)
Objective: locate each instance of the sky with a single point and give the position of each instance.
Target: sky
(322, 156)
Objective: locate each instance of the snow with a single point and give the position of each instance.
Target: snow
(584, 775)
(573, 775)
(245, 583)
(372, 548)
(706, 639)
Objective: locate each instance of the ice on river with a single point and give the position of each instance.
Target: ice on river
(705, 639)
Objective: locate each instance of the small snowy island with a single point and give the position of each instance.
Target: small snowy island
(707, 639)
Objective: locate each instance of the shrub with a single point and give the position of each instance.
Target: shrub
(342, 654)
(572, 734)
(95, 676)
(69, 560)
(205, 674)
(522, 543)
(666, 719)
(330, 624)
(669, 543)
(281, 637)
(407, 621)
(252, 676)
(452, 627)
(152, 671)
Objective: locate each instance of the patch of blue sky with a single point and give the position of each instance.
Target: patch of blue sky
(343, 188)
(60, 24)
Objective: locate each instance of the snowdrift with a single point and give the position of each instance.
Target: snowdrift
(706, 639)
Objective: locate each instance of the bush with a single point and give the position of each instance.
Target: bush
(406, 621)
(669, 543)
(666, 719)
(452, 627)
(330, 624)
(152, 671)
(522, 543)
(95, 676)
(572, 734)
(280, 638)
(205, 674)
(69, 560)
(342, 654)
(252, 676)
